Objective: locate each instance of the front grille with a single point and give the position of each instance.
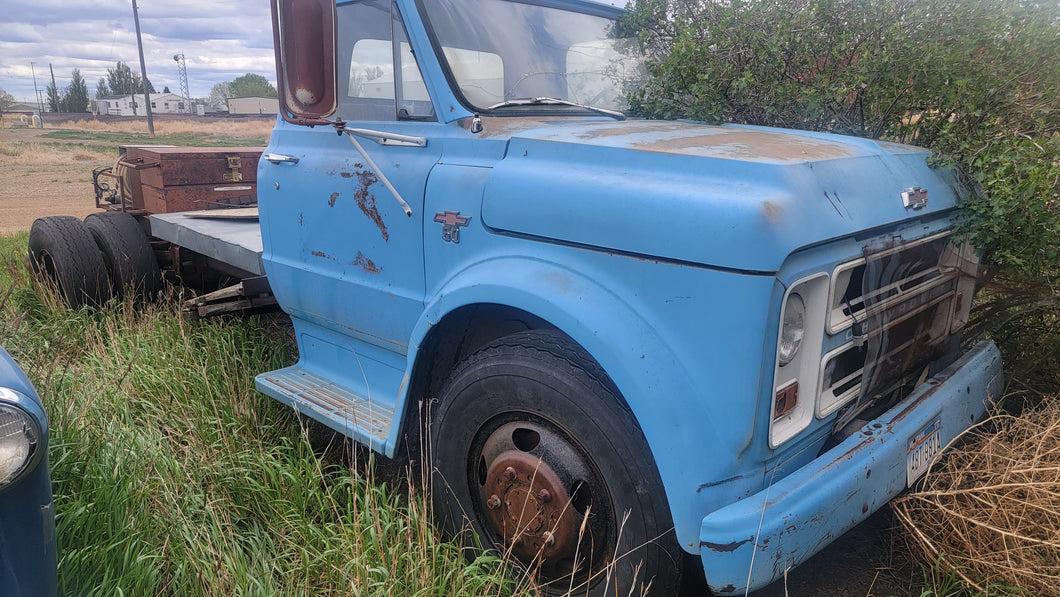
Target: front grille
(898, 307)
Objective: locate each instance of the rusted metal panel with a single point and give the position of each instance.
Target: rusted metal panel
(197, 197)
(178, 166)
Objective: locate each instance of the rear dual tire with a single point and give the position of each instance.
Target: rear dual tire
(89, 262)
(62, 252)
(131, 264)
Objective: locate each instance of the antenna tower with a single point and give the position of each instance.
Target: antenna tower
(182, 72)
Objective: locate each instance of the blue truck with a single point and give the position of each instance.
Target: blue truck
(623, 345)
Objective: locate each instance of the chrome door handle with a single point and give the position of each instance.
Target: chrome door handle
(277, 158)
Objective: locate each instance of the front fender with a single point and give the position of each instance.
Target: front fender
(688, 444)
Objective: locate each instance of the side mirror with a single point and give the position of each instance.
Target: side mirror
(304, 38)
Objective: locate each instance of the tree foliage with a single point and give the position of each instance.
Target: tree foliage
(6, 100)
(75, 96)
(122, 80)
(221, 92)
(55, 98)
(251, 85)
(978, 81)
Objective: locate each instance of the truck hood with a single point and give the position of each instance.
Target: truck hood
(728, 196)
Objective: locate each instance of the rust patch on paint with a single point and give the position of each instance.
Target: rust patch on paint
(366, 263)
(366, 201)
(331, 202)
(748, 145)
(322, 255)
(346, 174)
(632, 128)
(771, 211)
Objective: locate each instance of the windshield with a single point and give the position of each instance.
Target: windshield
(499, 51)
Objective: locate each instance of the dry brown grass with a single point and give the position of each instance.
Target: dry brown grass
(42, 155)
(235, 128)
(990, 513)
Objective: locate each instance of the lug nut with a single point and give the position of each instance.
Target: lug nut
(544, 496)
(494, 502)
(549, 538)
(509, 473)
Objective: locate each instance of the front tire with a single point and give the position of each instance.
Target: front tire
(536, 454)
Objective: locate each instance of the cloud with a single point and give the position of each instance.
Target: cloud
(220, 41)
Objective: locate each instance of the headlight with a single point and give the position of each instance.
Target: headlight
(793, 329)
(20, 434)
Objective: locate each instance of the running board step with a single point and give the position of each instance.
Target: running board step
(330, 403)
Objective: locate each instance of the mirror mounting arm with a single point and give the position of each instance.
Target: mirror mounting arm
(383, 139)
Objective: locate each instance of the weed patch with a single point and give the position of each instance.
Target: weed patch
(172, 475)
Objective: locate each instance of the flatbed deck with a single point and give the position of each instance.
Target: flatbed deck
(236, 242)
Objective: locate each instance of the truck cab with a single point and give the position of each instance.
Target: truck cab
(621, 343)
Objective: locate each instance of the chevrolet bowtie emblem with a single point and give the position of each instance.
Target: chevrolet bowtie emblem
(914, 198)
(451, 222)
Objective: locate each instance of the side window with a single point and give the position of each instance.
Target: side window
(413, 101)
(368, 55)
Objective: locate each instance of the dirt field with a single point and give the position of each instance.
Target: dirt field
(43, 177)
(46, 177)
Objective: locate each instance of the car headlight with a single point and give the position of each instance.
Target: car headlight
(793, 328)
(20, 434)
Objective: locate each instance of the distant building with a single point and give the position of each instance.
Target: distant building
(133, 105)
(209, 106)
(20, 114)
(22, 108)
(253, 105)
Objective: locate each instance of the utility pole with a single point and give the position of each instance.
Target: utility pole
(36, 93)
(58, 106)
(143, 72)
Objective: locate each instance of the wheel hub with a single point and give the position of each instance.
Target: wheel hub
(527, 505)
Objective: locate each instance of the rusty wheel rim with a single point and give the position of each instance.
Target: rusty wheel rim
(541, 498)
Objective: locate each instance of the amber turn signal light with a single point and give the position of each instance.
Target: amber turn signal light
(785, 400)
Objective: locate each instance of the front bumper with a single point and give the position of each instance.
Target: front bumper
(750, 543)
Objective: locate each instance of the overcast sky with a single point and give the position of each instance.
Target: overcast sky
(221, 40)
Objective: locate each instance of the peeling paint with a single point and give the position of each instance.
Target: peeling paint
(725, 547)
(346, 174)
(366, 263)
(366, 201)
(331, 202)
(715, 483)
(323, 255)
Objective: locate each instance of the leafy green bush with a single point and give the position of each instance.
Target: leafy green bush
(978, 81)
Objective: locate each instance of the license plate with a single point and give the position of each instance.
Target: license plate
(923, 448)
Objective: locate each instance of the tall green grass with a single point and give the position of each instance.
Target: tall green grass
(173, 476)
